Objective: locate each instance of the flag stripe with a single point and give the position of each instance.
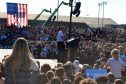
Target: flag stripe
(26, 14)
(7, 19)
(20, 14)
(20, 18)
(11, 19)
(12, 16)
(16, 19)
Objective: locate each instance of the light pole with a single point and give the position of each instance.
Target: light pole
(58, 11)
(70, 25)
(99, 4)
(103, 3)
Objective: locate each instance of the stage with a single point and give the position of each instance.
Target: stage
(51, 62)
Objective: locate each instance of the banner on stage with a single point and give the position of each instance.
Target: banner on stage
(94, 73)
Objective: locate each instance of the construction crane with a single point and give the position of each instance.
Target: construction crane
(50, 18)
(44, 10)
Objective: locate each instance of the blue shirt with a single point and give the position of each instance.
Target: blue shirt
(60, 36)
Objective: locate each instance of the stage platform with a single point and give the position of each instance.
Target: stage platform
(51, 62)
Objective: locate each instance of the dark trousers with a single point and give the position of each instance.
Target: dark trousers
(61, 52)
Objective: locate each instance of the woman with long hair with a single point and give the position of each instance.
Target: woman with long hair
(20, 65)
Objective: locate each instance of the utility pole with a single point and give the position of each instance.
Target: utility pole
(72, 51)
(99, 4)
(70, 25)
(103, 3)
(58, 11)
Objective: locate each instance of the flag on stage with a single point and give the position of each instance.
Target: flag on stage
(17, 14)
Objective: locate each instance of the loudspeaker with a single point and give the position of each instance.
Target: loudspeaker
(77, 7)
(78, 13)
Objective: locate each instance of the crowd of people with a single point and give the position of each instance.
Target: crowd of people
(28, 70)
(99, 49)
(43, 41)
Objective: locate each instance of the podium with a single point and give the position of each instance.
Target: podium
(72, 45)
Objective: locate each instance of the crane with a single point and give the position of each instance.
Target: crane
(50, 18)
(44, 10)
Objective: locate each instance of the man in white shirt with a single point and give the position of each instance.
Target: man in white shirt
(60, 36)
(115, 63)
(61, 45)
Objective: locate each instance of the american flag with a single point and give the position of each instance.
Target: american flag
(17, 14)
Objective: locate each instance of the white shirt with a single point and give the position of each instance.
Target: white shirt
(34, 66)
(60, 36)
(115, 66)
(76, 66)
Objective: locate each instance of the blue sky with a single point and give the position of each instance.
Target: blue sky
(114, 9)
